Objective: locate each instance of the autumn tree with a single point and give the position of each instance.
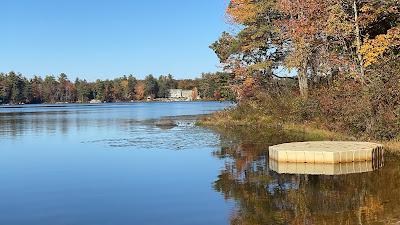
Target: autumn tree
(187, 84)
(379, 22)
(255, 51)
(316, 38)
(140, 90)
(302, 30)
(65, 91)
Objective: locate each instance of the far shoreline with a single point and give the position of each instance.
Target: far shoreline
(124, 102)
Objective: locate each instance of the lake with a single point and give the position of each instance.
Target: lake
(112, 164)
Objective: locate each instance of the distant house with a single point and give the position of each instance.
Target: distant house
(182, 94)
(187, 94)
(175, 93)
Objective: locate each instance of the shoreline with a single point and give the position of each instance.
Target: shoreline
(264, 125)
(60, 104)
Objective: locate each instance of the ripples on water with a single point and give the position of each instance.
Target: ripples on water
(184, 136)
(109, 164)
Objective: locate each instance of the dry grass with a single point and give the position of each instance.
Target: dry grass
(261, 123)
(229, 119)
(392, 146)
(314, 133)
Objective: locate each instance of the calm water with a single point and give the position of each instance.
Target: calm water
(111, 164)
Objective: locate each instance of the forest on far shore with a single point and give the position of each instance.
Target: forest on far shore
(15, 88)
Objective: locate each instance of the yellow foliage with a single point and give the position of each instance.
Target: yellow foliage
(248, 82)
(373, 49)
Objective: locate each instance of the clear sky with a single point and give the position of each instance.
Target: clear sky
(104, 39)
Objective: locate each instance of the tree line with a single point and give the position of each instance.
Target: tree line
(344, 55)
(16, 88)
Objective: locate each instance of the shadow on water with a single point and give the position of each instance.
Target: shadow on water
(263, 196)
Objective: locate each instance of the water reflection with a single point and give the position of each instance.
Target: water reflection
(66, 159)
(323, 169)
(67, 119)
(109, 164)
(264, 196)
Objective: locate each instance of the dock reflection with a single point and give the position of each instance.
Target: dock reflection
(325, 168)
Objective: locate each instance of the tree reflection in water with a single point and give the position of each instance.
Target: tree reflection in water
(266, 197)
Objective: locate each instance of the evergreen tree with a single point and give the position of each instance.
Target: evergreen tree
(151, 86)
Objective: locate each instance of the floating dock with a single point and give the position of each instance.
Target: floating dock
(326, 152)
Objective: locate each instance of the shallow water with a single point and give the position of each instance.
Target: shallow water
(111, 164)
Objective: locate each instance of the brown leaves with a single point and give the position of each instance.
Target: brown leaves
(338, 24)
(139, 90)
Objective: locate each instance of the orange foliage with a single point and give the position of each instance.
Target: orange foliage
(247, 88)
(242, 11)
(195, 93)
(139, 90)
(307, 17)
(304, 24)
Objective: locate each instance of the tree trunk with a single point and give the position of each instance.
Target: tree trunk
(303, 81)
(313, 75)
(358, 40)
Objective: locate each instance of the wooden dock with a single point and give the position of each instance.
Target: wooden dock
(326, 152)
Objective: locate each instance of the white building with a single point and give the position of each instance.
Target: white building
(187, 94)
(182, 94)
(175, 93)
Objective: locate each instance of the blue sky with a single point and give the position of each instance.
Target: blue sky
(104, 39)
